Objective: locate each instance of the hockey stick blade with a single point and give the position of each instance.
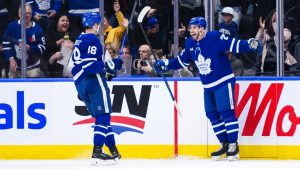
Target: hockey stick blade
(177, 108)
(142, 14)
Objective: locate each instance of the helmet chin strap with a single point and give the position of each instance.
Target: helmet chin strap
(199, 35)
(96, 29)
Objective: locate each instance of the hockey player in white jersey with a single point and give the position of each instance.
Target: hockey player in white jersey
(89, 74)
(208, 51)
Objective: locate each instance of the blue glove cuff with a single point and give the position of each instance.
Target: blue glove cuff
(114, 64)
(255, 45)
(161, 65)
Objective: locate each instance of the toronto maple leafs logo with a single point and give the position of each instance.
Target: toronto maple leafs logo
(203, 65)
(43, 4)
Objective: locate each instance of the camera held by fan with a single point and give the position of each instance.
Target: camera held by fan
(138, 63)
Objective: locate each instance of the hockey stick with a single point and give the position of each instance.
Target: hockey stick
(140, 20)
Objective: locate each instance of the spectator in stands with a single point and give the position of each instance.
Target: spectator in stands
(59, 40)
(127, 62)
(35, 45)
(112, 50)
(143, 65)
(269, 59)
(43, 11)
(4, 6)
(183, 34)
(161, 10)
(239, 6)
(115, 35)
(152, 28)
(228, 26)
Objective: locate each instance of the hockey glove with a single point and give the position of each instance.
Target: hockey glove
(161, 66)
(111, 66)
(110, 74)
(114, 64)
(255, 45)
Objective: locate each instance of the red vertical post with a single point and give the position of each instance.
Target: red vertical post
(176, 120)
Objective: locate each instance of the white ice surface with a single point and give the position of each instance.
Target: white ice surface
(181, 163)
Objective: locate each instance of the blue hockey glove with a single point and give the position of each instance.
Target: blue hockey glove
(110, 73)
(110, 76)
(161, 65)
(255, 45)
(111, 67)
(118, 63)
(114, 64)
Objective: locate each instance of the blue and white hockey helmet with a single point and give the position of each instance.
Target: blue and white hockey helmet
(200, 21)
(90, 18)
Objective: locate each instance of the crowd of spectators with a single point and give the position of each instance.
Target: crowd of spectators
(53, 25)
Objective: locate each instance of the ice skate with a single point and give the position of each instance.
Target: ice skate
(217, 155)
(233, 152)
(99, 157)
(115, 153)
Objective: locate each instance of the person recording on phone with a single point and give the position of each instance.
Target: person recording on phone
(143, 66)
